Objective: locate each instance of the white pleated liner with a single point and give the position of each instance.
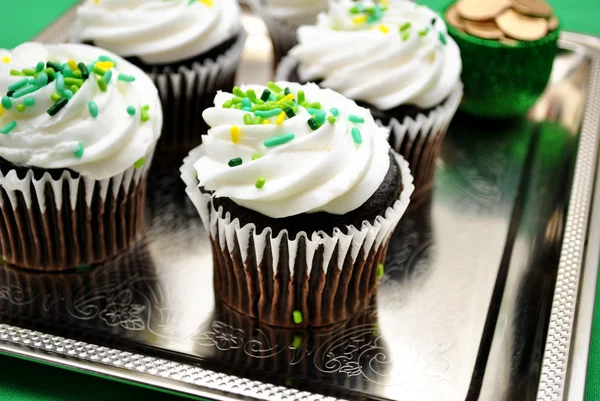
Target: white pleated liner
(12, 184)
(186, 92)
(224, 230)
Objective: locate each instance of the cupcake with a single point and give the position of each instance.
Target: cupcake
(78, 128)
(300, 193)
(410, 79)
(508, 48)
(190, 49)
(283, 17)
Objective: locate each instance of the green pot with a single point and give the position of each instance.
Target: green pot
(500, 80)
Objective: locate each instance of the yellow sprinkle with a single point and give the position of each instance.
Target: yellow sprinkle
(265, 122)
(105, 65)
(361, 19)
(207, 2)
(285, 98)
(384, 28)
(73, 65)
(384, 2)
(1, 111)
(280, 118)
(235, 134)
(6, 59)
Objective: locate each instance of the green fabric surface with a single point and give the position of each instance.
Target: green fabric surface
(23, 381)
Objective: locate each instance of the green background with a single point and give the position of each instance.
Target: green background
(22, 380)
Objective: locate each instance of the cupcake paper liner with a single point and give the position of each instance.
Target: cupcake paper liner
(327, 278)
(419, 140)
(187, 91)
(281, 32)
(59, 224)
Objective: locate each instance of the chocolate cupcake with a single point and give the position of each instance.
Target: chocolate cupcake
(508, 48)
(190, 49)
(410, 79)
(300, 193)
(78, 130)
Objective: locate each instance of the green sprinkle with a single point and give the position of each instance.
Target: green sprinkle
(238, 106)
(334, 111)
(297, 315)
(20, 108)
(251, 95)
(258, 120)
(101, 84)
(255, 156)
(107, 76)
(274, 87)
(144, 116)
(238, 92)
(312, 123)
(126, 78)
(442, 38)
(67, 94)
(260, 182)
(29, 101)
(315, 111)
(73, 81)
(257, 101)
(357, 9)
(380, 270)
(246, 102)
(56, 107)
(8, 127)
(78, 151)
(40, 66)
(99, 71)
(85, 73)
(265, 95)
(236, 100)
(356, 136)
(279, 140)
(55, 96)
(67, 71)
(55, 66)
(424, 32)
(146, 107)
(139, 162)
(227, 104)
(315, 105)
(405, 36)
(248, 119)
(353, 118)
(50, 72)
(290, 112)
(131, 110)
(272, 98)
(286, 91)
(10, 93)
(25, 91)
(279, 96)
(93, 108)
(19, 84)
(28, 72)
(297, 341)
(6, 102)
(106, 58)
(74, 88)
(331, 119)
(41, 80)
(60, 82)
(235, 162)
(16, 73)
(405, 26)
(77, 74)
(301, 96)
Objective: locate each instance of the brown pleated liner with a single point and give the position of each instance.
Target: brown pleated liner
(282, 33)
(60, 224)
(186, 92)
(419, 140)
(327, 277)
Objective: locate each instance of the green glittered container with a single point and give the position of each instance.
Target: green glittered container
(502, 80)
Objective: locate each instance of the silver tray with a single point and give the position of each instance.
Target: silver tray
(482, 296)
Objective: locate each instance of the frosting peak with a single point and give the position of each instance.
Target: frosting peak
(157, 31)
(76, 107)
(290, 149)
(386, 55)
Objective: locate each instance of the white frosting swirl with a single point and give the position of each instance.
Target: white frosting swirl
(296, 12)
(157, 31)
(400, 58)
(322, 170)
(111, 142)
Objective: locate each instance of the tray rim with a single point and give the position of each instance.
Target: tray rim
(166, 375)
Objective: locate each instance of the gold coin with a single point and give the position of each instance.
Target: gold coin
(484, 29)
(552, 23)
(481, 10)
(533, 8)
(520, 27)
(454, 19)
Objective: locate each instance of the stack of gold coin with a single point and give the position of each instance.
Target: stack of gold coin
(506, 21)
